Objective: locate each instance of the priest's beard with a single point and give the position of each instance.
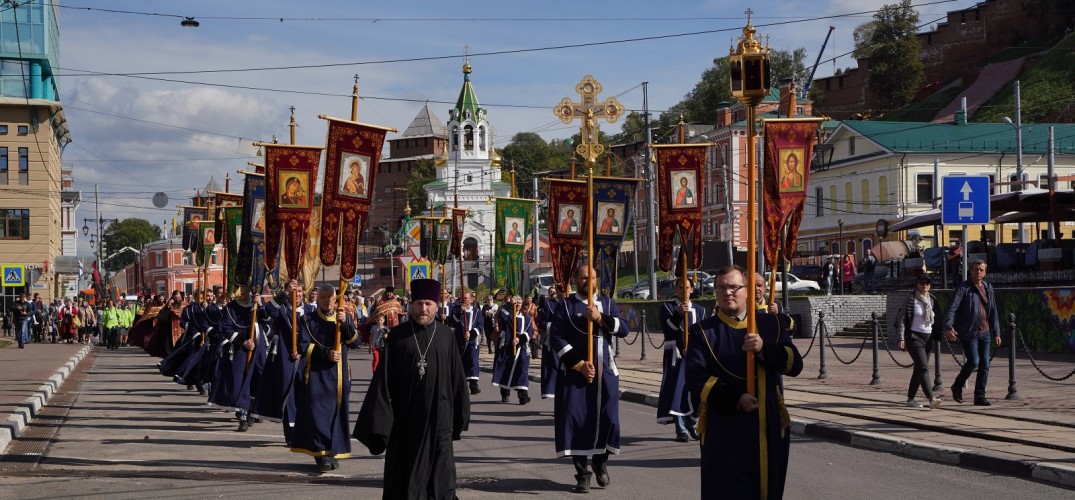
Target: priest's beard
(422, 319)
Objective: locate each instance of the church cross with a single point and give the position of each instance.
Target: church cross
(589, 110)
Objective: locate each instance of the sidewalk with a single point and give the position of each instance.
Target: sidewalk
(28, 378)
(1033, 437)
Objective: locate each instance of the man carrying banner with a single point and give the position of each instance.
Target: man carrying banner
(675, 404)
(745, 438)
(276, 390)
(586, 412)
(417, 403)
(467, 322)
(323, 389)
(241, 357)
(549, 360)
(512, 363)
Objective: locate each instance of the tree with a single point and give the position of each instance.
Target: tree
(789, 66)
(128, 233)
(863, 36)
(528, 153)
(895, 69)
(424, 172)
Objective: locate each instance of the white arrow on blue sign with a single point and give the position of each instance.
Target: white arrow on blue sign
(965, 200)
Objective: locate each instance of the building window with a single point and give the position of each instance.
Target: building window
(1043, 182)
(866, 193)
(955, 235)
(24, 130)
(882, 191)
(24, 166)
(819, 200)
(832, 199)
(14, 224)
(3, 165)
(186, 258)
(849, 197)
(3, 129)
(924, 188)
(1012, 178)
(160, 259)
(851, 146)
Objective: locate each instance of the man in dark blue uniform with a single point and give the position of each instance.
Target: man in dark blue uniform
(242, 356)
(467, 321)
(587, 417)
(324, 385)
(745, 438)
(674, 403)
(276, 388)
(549, 360)
(511, 366)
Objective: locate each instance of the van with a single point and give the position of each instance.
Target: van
(542, 281)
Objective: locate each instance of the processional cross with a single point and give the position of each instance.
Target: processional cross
(589, 110)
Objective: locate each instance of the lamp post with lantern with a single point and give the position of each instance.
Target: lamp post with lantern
(748, 69)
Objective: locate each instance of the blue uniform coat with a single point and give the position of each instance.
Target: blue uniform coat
(235, 383)
(462, 320)
(511, 365)
(674, 398)
(322, 392)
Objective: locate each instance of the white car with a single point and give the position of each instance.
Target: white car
(795, 284)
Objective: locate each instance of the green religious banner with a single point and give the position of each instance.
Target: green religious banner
(513, 216)
(206, 239)
(442, 236)
(233, 226)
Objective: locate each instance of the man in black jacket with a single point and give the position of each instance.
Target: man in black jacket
(971, 316)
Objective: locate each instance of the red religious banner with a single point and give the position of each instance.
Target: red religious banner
(459, 220)
(789, 145)
(352, 153)
(290, 178)
(567, 213)
(679, 170)
(224, 200)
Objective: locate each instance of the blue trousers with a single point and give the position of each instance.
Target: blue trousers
(976, 350)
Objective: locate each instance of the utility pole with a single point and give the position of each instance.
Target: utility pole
(651, 178)
(1019, 148)
(729, 217)
(536, 247)
(1052, 182)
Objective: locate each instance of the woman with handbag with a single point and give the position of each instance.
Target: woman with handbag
(920, 317)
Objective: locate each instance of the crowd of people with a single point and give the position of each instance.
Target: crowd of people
(30, 319)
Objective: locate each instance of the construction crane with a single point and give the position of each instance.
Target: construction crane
(810, 81)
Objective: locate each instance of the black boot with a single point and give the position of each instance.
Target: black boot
(524, 397)
(474, 389)
(583, 483)
(504, 395)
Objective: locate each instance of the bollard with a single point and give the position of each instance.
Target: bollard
(937, 384)
(822, 336)
(876, 326)
(645, 338)
(1012, 393)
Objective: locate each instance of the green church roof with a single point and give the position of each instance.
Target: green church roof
(918, 137)
(467, 107)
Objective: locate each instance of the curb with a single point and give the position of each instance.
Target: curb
(25, 411)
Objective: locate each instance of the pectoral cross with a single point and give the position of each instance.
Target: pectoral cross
(589, 110)
(422, 367)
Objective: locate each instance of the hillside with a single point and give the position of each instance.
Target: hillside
(1047, 85)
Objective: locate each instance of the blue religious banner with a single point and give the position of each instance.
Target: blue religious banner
(250, 268)
(612, 198)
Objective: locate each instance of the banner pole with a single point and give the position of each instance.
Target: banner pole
(590, 261)
(752, 241)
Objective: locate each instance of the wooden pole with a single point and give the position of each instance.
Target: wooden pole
(294, 322)
(514, 330)
(590, 260)
(339, 307)
(683, 287)
(253, 325)
(752, 241)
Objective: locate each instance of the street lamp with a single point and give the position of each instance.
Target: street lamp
(840, 247)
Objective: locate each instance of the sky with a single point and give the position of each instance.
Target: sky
(157, 107)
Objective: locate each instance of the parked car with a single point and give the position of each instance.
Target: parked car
(810, 272)
(796, 284)
(666, 289)
(639, 290)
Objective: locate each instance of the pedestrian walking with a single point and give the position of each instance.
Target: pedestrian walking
(972, 318)
(512, 363)
(920, 318)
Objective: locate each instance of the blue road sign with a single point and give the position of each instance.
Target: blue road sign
(357, 280)
(965, 200)
(13, 275)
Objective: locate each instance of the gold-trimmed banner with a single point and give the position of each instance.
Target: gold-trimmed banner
(679, 175)
(290, 178)
(567, 212)
(789, 146)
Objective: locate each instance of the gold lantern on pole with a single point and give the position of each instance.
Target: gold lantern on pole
(748, 69)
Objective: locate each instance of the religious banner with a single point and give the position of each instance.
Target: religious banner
(612, 199)
(191, 217)
(222, 200)
(442, 236)
(567, 221)
(232, 234)
(426, 236)
(290, 178)
(679, 170)
(207, 240)
(352, 153)
(250, 260)
(513, 216)
(789, 145)
(459, 220)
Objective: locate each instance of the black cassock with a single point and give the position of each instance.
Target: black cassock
(414, 418)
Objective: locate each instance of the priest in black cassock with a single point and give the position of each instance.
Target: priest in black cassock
(674, 403)
(745, 438)
(467, 321)
(417, 403)
(587, 415)
(324, 385)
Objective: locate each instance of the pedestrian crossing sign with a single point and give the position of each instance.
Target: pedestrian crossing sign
(13, 274)
(417, 271)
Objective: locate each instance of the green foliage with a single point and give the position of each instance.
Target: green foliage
(1046, 87)
(529, 153)
(131, 233)
(926, 109)
(895, 69)
(423, 173)
(863, 45)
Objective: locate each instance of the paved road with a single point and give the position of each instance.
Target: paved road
(130, 433)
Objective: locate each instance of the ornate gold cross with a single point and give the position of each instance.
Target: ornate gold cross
(589, 110)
